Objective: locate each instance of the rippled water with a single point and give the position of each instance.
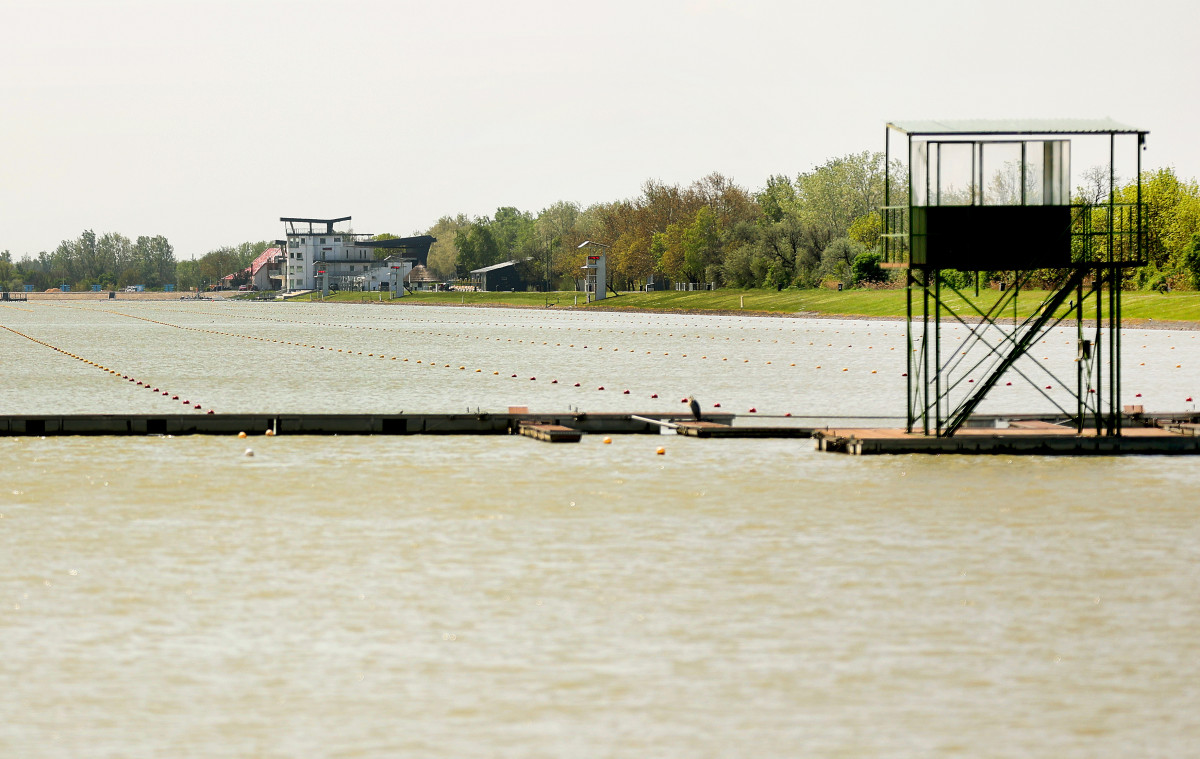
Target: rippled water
(397, 596)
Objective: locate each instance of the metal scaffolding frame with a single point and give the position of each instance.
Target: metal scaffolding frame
(1103, 240)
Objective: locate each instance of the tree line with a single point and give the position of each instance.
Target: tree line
(110, 260)
(819, 226)
(792, 232)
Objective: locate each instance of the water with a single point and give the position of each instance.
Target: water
(370, 597)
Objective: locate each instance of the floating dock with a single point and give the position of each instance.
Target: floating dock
(335, 424)
(1177, 433)
(1018, 438)
(550, 433)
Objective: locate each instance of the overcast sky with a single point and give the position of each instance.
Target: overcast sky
(207, 120)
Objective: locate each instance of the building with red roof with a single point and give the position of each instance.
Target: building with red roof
(268, 266)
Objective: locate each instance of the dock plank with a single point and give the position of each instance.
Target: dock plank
(550, 433)
(706, 429)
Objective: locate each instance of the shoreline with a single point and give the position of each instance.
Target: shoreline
(1180, 325)
(1129, 323)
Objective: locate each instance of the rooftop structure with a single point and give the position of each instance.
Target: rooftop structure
(318, 248)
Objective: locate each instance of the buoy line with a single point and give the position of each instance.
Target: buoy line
(112, 372)
(606, 332)
(520, 341)
(430, 364)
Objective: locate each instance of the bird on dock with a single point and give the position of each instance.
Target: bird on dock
(694, 405)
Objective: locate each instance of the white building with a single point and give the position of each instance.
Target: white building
(351, 261)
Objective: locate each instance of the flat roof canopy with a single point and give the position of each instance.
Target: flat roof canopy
(315, 221)
(420, 241)
(946, 127)
(293, 221)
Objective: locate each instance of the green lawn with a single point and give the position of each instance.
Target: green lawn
(1181, 306)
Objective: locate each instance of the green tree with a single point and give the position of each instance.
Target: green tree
(866, 229)
(832, 196)
(784, 244)
(632, 260)
(673, 261)
(658, 247)
(743, 267)
(1191, 262)
(702, 246)
(187, 274)
(557, 230)
(443, 254)
(477, 248)
(8, 271)
(1171, 216)
(866, 269)
(777, 199)
(838, 257)
(514, 232)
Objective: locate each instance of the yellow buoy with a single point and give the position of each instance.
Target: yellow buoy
(661, 451)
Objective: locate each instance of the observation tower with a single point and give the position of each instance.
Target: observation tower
(992, 201)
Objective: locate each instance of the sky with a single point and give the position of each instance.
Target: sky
(207, 120)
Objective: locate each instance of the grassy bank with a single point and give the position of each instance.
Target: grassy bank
(1176, 306)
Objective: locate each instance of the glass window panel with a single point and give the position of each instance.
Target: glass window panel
(955, 174)
(1003, 174)
(920, 173)
(1035, 172)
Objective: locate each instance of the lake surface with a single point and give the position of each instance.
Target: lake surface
(481, 596)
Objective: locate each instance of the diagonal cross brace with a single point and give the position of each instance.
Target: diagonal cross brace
(1019, 348)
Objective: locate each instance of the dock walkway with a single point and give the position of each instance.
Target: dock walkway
(1030, 439)
(1147, 434)
(330, 424)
